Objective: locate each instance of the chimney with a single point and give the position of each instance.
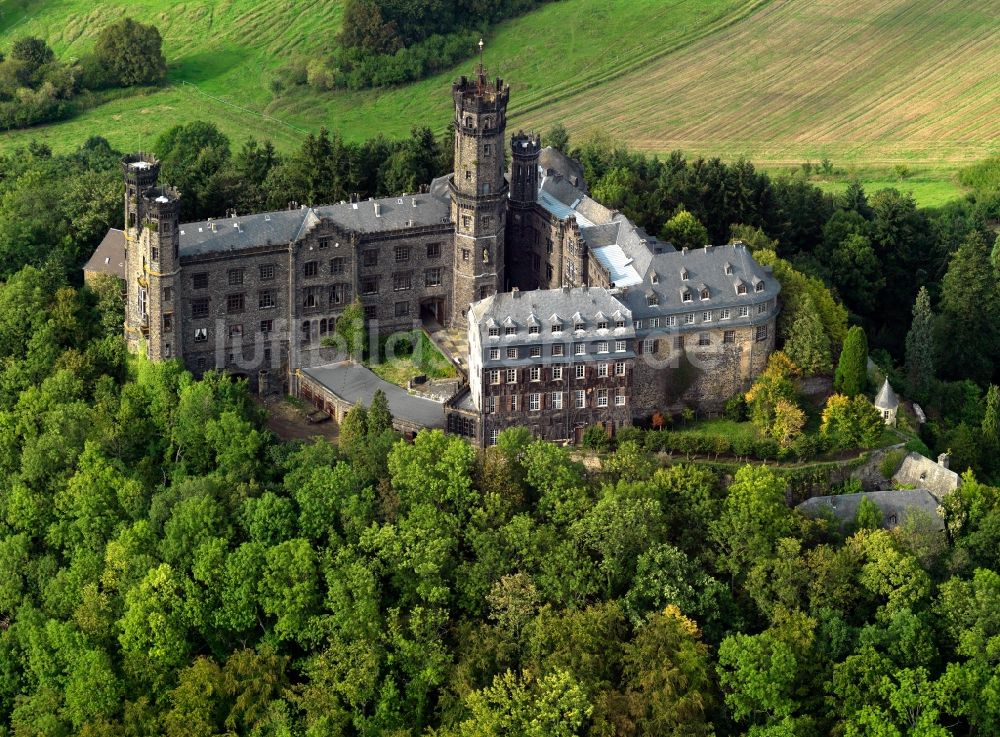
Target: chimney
(684, 251)
(378, 210)
(943, 460)
(414, 201)
(515, 293)
(566, 289)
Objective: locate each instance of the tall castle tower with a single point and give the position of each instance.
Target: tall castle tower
(525, 260)
(478, 189)
(152, 260)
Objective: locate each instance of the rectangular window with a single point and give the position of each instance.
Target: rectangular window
(654, 322)
(167, 352)
(744, 311)
(729, 336)
(494, 332)
(510, 330)
(235, 277)
(432, 277)
(534, 402)
(557, 399)
(706, 316)
(491, 405)
(689, 318)
(511, 376)
(338, 294)
(266, 272)
(672, 321)
(486, 149)
(324, 242)
(485, 291)
(311, 268)
(557, 373)
(602, 324)
(199, 307)
(310, 297)
(465, 254)
(579, 349)
(704, 339)
(401, 309)
(168, 322)
(535, 373)
(401, 282)
(533, 330)
(620, 368)
(487, 222)
(619, 346)
(494, 434)
(266, 326)
(402, 253)
(494, 354)
(513, 403)
(433, 250)
(371, 312)
(494, 376)
(467, 219)
(536, 351)
(619, 398)
(168, 294)
(369, 285)
(678, 342)
(602, 371)
(199, 281)
(154, 254)
(762, 308)
(558, 349)
(200, 335)
(602, 397)
(619, 324)
(580, 397)
(581, 372)
(370, 258)
(236, 331)
(602, 346)
(265, 299)
(648, 346)
(652, 300)
(512, 353)
(726, 313)
(638, 324)
(337, 265)
(761, 333)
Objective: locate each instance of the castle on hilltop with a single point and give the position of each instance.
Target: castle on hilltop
(575, 315)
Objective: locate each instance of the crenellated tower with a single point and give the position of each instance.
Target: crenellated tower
(152, 260)
(524, 151)
(478, 189)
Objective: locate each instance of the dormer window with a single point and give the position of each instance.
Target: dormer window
(532, 330)
(603, 325)
(655, 278)
(741, 288)
(759, 286)
(510, 330)
(685, 296)
(704, 293)
(579, 326)
(652, 300)
(684, 274)
(557, 328)
(729, 269)
(619, 324)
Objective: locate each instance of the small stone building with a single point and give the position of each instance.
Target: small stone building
(887, 403)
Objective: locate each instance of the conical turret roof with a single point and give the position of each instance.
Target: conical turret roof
(886, 398)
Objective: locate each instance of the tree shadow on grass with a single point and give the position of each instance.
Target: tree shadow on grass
(204, 66)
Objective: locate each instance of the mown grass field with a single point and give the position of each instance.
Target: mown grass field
(866, 83)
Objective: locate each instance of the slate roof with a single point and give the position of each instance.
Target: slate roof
(109, 257)
(354, 383)
(552, 159)
(285, 226)
(895, 505)
(702, 267)
(921, 472)
(886, 398)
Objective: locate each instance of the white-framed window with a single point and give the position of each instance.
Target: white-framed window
(557, 400)
(762, 308)
(511, 376)
(532, 330)
(620, 346)
(602, 324)
(729, 336)
(759, 286)
(513, 403)
(652, 300)
(558, 349)
(648, 345)
(581, 372)
(490, 405)
(510, 330)
(761, 332)
(705, 294)
(741, 288)
(602, 346)
(706, 316)
(494, 354)
(638, 324)
(580, 349)
(602, 370)
(726, 314)
(557, 328)
(494, 433)
(620, 368)
(535, 373)
(580, 327)
(620, 398)
(534, 402)
(729, 269)
(744, 311)
(672, 321)
(512, 353)
(654, 322)
(685, 296)
(200, 335)
(689, 318)
(494, 332)
(557, 373)
(580, 398)
(704, 339)
(495, 376)
(602, 397)
(619, 324)
(536, 351)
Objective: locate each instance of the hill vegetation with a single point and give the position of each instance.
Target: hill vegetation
(867, 85)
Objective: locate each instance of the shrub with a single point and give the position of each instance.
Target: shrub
(891, 462)
(736, 408)
(596, 438)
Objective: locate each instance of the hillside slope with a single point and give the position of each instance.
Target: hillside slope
(870, 83)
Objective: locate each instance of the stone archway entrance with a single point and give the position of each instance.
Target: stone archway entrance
(432, 311)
